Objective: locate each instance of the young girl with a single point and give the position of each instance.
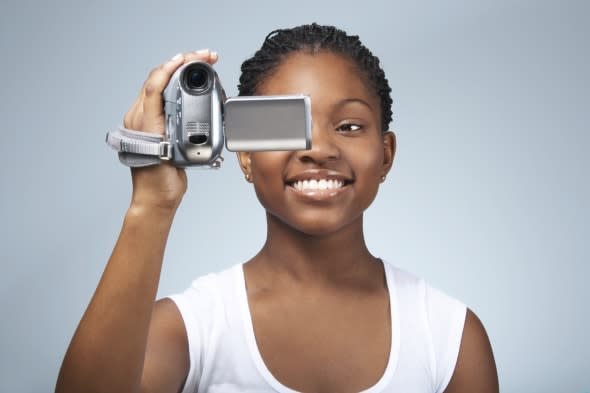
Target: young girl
(313, 311)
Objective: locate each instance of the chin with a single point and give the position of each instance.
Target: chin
(319, 226)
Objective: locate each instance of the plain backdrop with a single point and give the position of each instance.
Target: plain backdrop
(487, 200)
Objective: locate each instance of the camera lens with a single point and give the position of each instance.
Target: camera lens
(196, 78)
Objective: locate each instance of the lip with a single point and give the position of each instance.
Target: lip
(316, 194)
(318, 174)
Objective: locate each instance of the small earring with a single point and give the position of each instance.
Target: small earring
(248, 178)
(382, 178)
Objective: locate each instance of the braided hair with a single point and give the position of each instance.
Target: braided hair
(313, 39)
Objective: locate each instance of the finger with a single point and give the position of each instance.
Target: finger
(129, 119)
(213, 58)
(137, 106)
(153, 88)
(138, 120)
(205, 55)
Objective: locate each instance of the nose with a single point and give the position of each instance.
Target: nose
(323, 147)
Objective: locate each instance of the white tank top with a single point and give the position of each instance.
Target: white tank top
(224, 357)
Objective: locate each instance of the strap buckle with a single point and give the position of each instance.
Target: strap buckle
(165, 151)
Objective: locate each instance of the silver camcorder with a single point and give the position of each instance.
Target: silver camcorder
(200, 120)
(193, 109)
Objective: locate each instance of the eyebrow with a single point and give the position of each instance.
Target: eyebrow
(347, 101)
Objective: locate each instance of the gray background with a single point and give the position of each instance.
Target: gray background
(488, 198)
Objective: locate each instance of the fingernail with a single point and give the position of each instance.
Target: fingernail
(176, 57)
(202, 51)
(214, 54)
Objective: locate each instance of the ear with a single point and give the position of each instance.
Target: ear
(244, 158)
(389, 145)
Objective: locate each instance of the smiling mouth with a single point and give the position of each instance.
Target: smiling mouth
(318, 184)
(315, 185)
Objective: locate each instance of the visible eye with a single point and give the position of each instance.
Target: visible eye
(349, 127)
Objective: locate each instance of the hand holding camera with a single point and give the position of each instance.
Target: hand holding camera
(197, 120)
(159, 185)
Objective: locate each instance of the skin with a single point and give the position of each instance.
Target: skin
(150, 340)
(314, 271)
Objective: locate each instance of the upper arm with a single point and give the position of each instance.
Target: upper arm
(475, 370)
(166, 362)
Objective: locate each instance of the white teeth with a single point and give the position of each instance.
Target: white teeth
(322, 184)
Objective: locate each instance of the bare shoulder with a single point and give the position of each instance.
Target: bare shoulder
(167, 359)
(476, 368)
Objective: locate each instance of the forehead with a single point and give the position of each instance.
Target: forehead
(322, 75)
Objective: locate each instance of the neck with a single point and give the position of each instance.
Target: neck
(338, 257)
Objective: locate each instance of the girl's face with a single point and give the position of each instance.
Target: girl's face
(327, 188)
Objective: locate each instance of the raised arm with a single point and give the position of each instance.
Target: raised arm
(125, 342)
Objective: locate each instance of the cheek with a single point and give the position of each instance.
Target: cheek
(267, 174)
(368, 168)
(367, 161)
(268, 165)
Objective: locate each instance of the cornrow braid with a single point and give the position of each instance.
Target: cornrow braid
(312, 39)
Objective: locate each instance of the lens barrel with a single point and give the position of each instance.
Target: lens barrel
(196, 77)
